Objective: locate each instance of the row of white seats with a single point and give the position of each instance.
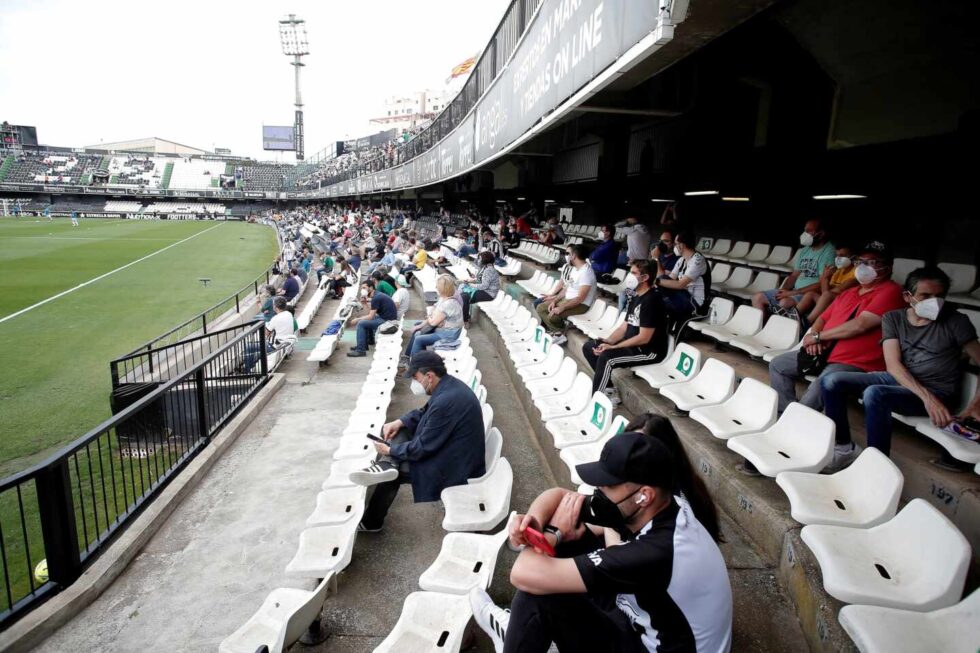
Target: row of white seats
(742, 282)
(511, 268)
(327, 343)
(592, 232)
(867, 553)
(540, 284)
(600, 320)
(425, 281)
(119, 206)
(544, 254)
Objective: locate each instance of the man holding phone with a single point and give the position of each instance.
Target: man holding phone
(634, 569)
(433, 447)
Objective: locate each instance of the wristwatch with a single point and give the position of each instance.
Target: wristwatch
(816, 336)
(554, 531)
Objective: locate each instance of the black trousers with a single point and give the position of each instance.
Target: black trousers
(574, 622)
(604, 363)
(478, 296)
(384, 493)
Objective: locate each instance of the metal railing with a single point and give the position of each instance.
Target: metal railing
(65, 510)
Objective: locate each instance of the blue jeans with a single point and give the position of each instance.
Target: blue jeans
(882, 396)
(784, 370)
(252, 353)
(771, 297)
(466, 250)
(418, 341)
(365, 332)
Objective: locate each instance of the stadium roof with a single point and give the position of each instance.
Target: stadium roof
(152, 145)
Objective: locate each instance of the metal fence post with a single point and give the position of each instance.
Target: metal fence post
(58, 528)
(204, 322)
(203, 425)
(265, 361)
(237, 307)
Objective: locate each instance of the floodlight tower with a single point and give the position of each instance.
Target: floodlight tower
(292, 34)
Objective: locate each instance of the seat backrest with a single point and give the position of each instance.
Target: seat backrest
(759, 252)
(740, 249)
(552, 360)
(780, 332)
(874, 472)
(962, 276)
(609, 317)
(616, 426)
(755, 397)
(721, 310)
(766, 281)
(599, 413)
(721, 246)
(741, 277)
(303, 616)
(715, 374)
(974, 318)
(686, 359)
(747, 319)
(476, 381)
(720, 273)
(494, 445)
(931, 547)
(902, 266)
(799, 421)
(487, 417)
(780, 255)
(481, 394)
(968, 389)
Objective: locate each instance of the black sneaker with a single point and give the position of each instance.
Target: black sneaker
(356, 353)
(377, 473)
(361, 528)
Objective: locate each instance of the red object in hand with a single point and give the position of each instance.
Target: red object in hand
(538, 541)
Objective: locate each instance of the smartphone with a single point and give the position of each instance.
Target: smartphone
(372, 436)
(538, 541)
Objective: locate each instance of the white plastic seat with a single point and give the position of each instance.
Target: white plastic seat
(466, 560)
(557, 383)
(281, 620)
(493, 445)
(532, 354)
(802, 439)
(957, 447)
(889, 630)
(720, 273)
(570, 402)
(736, 253)
(615, 288)
(586, 453)
(487, 417)
(608, 323)
(482, 503)
(548, 367)
(747, 321)
(779, 334)
(740, 278)
(712, 385)
(862, 495)
(720, 311)
(525, 335)
(338, 506)
(752, 408)
(462, 370)
(758, 254)
(901, 267)
(430, 621)
(684, 362)
(778, 257)
(595, 312)
(481, 394)
(763, 281)
(477, 381)
(323, 550)
(720, 247)
(585, 426)
(340, 470)
(356, 445)
(365, 423)
(918, 560)
(973, 299)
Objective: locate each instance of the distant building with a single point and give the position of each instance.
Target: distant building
(152, 145)
(402, 112)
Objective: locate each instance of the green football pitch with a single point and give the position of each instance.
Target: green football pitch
(54, 355)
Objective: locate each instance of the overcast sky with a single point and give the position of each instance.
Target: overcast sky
(209, 74)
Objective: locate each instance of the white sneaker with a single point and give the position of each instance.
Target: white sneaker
(613, 395)
(844, 455)
(376, 473)
(558, 339)
(490, 617)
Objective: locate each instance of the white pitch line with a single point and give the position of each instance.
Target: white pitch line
(102, 276)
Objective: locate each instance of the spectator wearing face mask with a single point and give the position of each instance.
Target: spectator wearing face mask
(574, 296)
(682, 288)
(834, 280)
(922, 345)
(634, 569)
(846, 337)
(605, 255)
(434, 447)
(816, 253)
(637, 238)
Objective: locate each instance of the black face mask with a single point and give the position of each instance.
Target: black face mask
(600, 510)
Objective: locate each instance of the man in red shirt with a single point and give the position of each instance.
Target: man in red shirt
(850, 329)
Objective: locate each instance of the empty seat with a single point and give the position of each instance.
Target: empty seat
(684, 362)
(918, 560)
(557, 383)
(595, 312)
(737, 252)
(619, 285)
(588, 425)
(545, 368)
(481, 504)
(570, 402)
(763, 281)
(579, 454)
(281, 620)
(902, 266)
(779, 257)
(758, 254)
(340, 471)
(487, 417)
(802, 439)
(747, 321)
(337, 506)
(962, 276)
(864, 494)
(712, 385)
(466, 560)
(741, 277)
(531, 354)
(720, 247)
(720, 273)
(606, 325)
(752, 408)
(779, 334)
(356, 444)
(720, 311)
(430, 621)
(889, 630)
(323, 550)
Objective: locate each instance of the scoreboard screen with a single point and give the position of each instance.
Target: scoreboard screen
(278, 138)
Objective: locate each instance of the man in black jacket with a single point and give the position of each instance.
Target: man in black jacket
(434, 447)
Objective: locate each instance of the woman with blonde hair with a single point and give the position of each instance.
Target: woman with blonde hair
(445, 322)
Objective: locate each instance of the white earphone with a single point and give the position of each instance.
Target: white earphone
(641, 499)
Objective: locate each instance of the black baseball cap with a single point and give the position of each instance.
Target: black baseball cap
(427, 360)
(879, 249)
(631, 457)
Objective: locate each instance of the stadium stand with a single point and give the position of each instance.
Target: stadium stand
(213, 208)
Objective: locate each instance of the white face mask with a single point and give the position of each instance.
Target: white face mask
(418, 388)
(631, 282)
(677, 250)
(806, 239)
(865, 274)
(568, 259)
(842, 261)
(364, 293)
(928, 309)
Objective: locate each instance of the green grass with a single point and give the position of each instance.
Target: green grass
(54, 376)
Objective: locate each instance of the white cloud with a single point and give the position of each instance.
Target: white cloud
(210, 73)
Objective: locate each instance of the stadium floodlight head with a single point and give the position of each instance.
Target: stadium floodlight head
(292, 35)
